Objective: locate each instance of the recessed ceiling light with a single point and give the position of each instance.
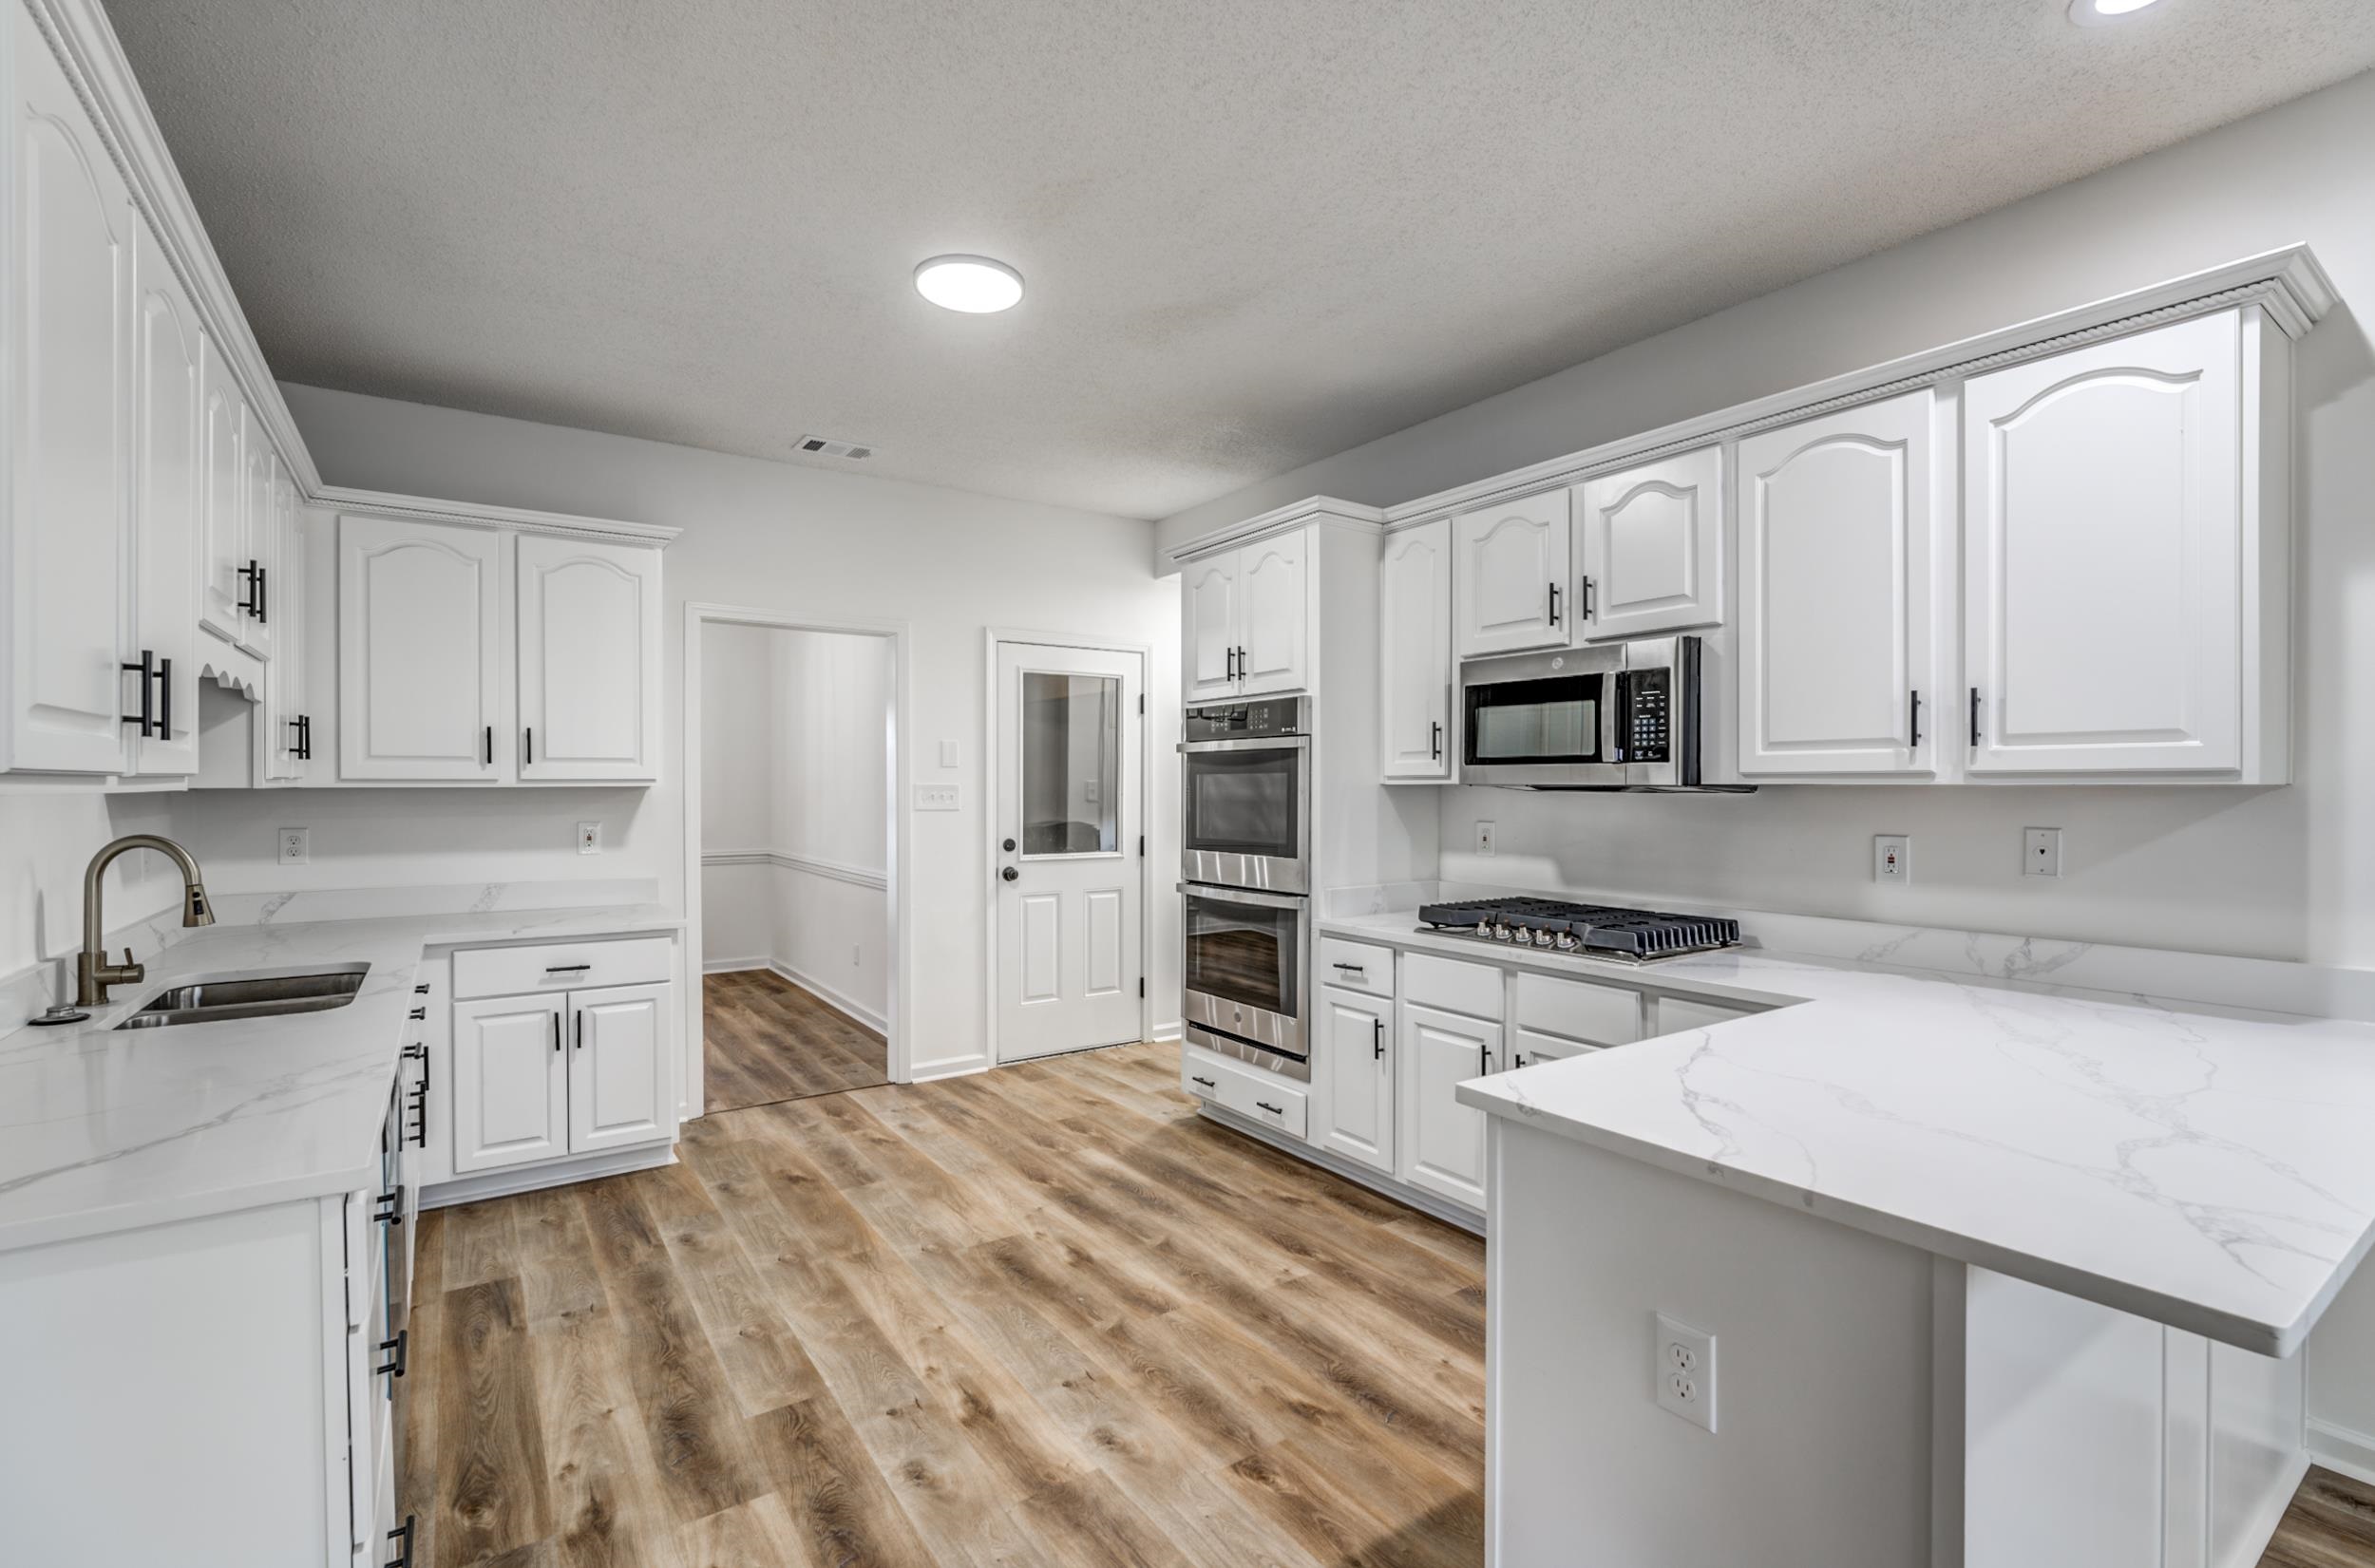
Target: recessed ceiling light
(2095, 13)
(975, 283)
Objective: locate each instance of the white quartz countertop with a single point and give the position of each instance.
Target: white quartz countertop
(102, 1131)
(2207, 1168)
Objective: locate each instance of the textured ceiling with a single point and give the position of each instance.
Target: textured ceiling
(1256, 231)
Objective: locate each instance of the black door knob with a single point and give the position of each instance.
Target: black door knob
(1009, 846)
(1010, 874)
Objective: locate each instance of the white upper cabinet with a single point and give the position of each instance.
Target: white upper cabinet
(222, 501)
(1841, 530)
(2106, 542)
(289, 722)
(259, 572)
(1246, 619)
(589, 660)
(420, 660)
(1207, 622)
(167, 355)
(67, 542)
(1515, 562)
(1653, 547)
(1415, 639)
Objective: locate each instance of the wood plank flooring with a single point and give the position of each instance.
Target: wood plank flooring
(1037, 1318)
(769, 1040)
(2330, 1524)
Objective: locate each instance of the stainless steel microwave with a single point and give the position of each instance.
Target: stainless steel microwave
(1621, 716)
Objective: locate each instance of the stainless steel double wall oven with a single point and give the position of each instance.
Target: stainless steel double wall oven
(1245, 864)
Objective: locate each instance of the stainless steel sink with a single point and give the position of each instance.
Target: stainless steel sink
(266, 997)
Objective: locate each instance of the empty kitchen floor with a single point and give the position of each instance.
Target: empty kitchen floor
(767, 1039)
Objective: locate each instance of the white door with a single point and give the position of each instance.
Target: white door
(1207, 622)
(1516, 561)
(1273, 613)
(589, 659)
(1415, 642)
(510, 1082)
(1069, 859)
(1653, 547)
(262, 467)
(1443, 1141)
(166, 356)
(69, 272)
(419, 667)
(221, 510)
(620, 1086)
(1840, 532)
(1355, 1071)
(2103, 532)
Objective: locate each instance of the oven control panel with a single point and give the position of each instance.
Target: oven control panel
(1256, 720)
(1647, 724)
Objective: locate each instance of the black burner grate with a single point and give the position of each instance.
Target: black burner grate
(1598, 930)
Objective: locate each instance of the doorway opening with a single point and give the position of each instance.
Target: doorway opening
(795, 842)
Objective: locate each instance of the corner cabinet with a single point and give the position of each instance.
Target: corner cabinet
(1246, 619)
(1415, 645)
(1653, 547)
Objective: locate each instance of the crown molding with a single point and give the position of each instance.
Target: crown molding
(379, 504)
(1323, 511)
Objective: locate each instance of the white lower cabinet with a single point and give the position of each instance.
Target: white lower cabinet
(619, 1078)
(1532, 1047)
(1442, 1141)
(510, 1082)
(541, 1077)
(1356, 1067)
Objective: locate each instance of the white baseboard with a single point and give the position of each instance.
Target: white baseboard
(839, 1001)
(2339, 1449)
(557, 1173)
(2251, 1542)
(948, 1067)
(1172, 1030)
(732, 966)
(1360, 1175)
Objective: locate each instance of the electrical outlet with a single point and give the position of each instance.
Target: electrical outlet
(1893, 858)
(1684, 1363)
(296, 845)
(936, 797)
(2041, 851)
(589, 837)
(1484, 838)
(948, 753)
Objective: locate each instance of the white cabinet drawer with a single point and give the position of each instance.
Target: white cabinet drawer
(1677, 1013)
(1259, 1096)
(1452, 984)
(1577, 1009)
(1357, 966)
(560, 966)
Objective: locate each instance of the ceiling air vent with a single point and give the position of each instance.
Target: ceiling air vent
(823, 447)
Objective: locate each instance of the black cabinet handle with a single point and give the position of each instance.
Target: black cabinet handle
(1436, 745)
(531, 744)
(1240, 663)
(1274, 1111)
(567, 969)
(394, 1364)
(303, 749)
(263, 575)
(420, 991)
(419, 1013)
(1974, 718)
(390, 1211)
(555, 1030)
(402, 1532)
(1554, 604)
(251, 604)
(164, 698)
(146, 717)
(1206, 1081)
(1591, 598)
(490, 746)
(1916, 718)
(1376, 1049)
(1356, 969)
(576, 1024)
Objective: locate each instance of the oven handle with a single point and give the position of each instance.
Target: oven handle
(1244, 895)
(1259, 742)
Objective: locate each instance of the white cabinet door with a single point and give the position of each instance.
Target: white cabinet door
(1273, 614)
(2102, 535)
(1357, 1068)
(1442, 1141)
(1530, 1048)
(1515, 562)
(1653, 547)
(1840, 532)
(621, 1088)
(1207, 621)
(69, 268)
(589, 660)
(168, 353)
(510, 1082)
(419, 668)
(1414, 648)
(288, 739)
(260, 466)
(223, 506)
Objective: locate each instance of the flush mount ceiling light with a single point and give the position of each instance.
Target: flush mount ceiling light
(2097, 13)
(976, 285)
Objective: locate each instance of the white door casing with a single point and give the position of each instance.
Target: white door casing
(1414, 641)
(1653, 547)
(510, 1082)
(420, 672)
(1841, 528)
(1068, 787)
(1272, 609)
(1209, 626)
(589, 660)
(621, 1081)
(1356, 1105)
(168, 351)
(1442, 1141)
(1512, 576)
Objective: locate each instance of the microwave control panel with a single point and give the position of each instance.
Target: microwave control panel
(1647, 728)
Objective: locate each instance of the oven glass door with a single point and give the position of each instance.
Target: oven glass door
(1242, 809)
(1557, 719)
(1244, 965)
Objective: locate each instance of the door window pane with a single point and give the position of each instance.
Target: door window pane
(1072, 748)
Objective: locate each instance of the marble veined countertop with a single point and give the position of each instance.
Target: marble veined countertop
(102, 1130)
(2209, 1168)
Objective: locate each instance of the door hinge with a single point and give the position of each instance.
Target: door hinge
(1141, 846)
(1142, 987)
(1142, 702)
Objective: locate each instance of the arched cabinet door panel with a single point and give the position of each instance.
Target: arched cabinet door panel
(420, 661)
(1653, 547)
(589, 661)
(1515, 574)
(168, 355)
(1415, 643)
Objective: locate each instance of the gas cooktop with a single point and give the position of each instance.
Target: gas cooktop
(1593, 931)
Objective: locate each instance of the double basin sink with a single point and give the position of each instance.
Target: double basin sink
(207, 1001)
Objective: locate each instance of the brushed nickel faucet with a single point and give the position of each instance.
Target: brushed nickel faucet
(93, 974)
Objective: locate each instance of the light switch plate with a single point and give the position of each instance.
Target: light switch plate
(296, 845)
(936, 797)
(948, 753)
(589, 837)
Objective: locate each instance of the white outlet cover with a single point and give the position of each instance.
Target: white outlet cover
(1893, 858)
(589, 837)
(1683, 1360)
(296, 845)
(1484, 838)
(936, 797)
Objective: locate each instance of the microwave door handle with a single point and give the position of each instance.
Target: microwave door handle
(1615, 691)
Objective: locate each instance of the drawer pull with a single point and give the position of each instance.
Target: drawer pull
(567, 969)
(1356, 969)
(1206, 1081)
(395, 1367)
(1274, 1111)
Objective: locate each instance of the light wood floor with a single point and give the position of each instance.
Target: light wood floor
(2330, 1524)
(769, 1040)
(1041, 1317)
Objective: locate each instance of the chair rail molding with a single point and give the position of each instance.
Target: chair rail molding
(837, 870)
